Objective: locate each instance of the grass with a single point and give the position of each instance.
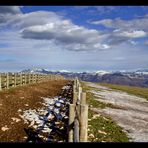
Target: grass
(13, 99)
(138, 91)
(94, 102)
(102, 129)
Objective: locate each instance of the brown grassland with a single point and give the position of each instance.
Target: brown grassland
(23, 97)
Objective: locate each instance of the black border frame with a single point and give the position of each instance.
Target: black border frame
(74, 2)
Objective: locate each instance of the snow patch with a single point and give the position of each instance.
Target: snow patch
(5, 128)
(102, 72)
(19, 110)
(37, 118)
(66, 87)
(15, 119)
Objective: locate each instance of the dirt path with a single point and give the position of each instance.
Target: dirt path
(132, 115)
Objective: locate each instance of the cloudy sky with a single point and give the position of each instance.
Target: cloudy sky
(74, 38)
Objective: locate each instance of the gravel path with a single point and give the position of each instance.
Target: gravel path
(132, 115)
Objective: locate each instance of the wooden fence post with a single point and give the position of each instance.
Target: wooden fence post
(74, 88)
(37, 78)
(84, 123)
(29, 78)
(75, 97)
(81, 113)
(20, 79)
(40, 78)
(79, 93)
(32, 78)
(76, 130)
(71, 122)
(14, 79)
(7, 80)
(0, 82)
(83, 98)
(25, 79)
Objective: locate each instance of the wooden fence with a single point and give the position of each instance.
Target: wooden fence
(8, 80)
(78, 115)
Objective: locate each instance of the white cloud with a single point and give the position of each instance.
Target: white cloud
(7, 12)
(105, 22)
(98, 10)
(135, 24)
(47, 34)
(55, 29)
(124, 30)
(45, 25)
(133, 42)
(64, 31)
(60, 30)
(10, 9)
(133, 34)
(102, 46)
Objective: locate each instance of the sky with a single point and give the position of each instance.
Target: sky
(73, 38)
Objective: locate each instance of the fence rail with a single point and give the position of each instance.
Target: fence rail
(8, 80)
(78, 115)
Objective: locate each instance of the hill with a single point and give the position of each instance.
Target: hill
(133, 78)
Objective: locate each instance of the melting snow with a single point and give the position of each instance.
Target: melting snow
(66, 87)
(15, 119)
(40, 119)
(19, 110)
(5, 128)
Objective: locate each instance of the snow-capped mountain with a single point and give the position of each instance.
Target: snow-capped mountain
(142, 71)
(133, 78)
(35, 70)
(102, 72)
(66, 71)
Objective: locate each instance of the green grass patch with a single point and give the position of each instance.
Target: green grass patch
(104, 129)
(94, 102)
(138, 91)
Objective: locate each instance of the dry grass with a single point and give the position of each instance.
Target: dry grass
(23, 98)
(138, 91)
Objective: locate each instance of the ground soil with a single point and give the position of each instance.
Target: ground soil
(15, 100)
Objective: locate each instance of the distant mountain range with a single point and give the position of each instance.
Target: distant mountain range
(134, 78)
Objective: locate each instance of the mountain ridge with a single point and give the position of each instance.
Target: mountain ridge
(134, 78)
